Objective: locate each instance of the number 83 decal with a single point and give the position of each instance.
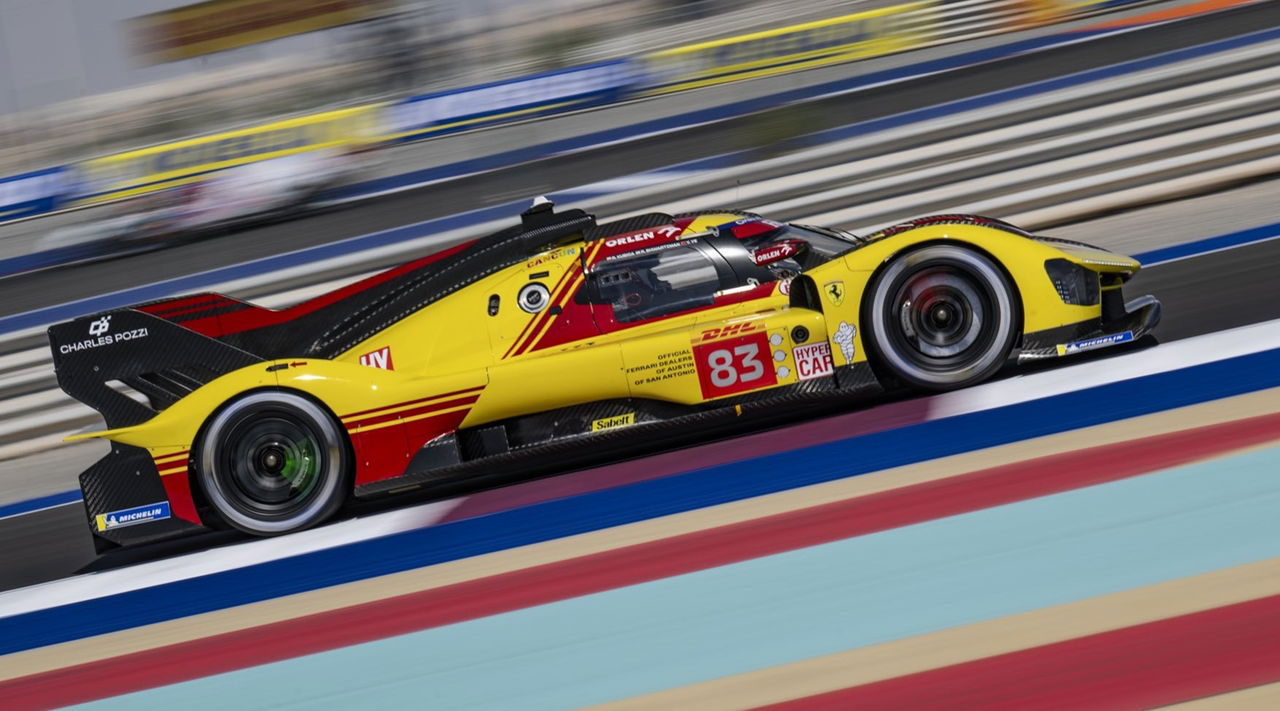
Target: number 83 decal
(734, 365)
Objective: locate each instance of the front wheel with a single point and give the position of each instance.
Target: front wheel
(274, 462)
(942, 317)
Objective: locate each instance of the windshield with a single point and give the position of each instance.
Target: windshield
(824, 241)
(650, 285)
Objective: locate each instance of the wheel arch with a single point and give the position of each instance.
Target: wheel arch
(972, 246)
(208, 513)
(874, 357)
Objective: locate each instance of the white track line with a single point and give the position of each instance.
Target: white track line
(115, 582)
(1162, 359)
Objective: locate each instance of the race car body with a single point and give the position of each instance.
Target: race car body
(546, 340)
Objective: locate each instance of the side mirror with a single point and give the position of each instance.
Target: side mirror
(778, 251)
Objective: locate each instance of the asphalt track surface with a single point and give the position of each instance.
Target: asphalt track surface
(26, 292)
(1201, 295)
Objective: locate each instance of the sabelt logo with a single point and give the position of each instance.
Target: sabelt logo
(734, 329)
(380, 359)
(608, 423)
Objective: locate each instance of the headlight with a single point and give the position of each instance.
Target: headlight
(1075, 284)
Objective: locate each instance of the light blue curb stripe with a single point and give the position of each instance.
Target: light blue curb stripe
(788, 607)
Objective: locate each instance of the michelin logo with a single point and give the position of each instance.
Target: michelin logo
(135, 515)
(1093, 343)
(844, 338)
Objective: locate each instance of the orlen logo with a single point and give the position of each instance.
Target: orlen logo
(664, 232)
(735, 329)
(380, 358)
(775, 253)
(101, 326)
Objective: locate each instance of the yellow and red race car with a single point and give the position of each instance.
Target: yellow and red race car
(550, 339)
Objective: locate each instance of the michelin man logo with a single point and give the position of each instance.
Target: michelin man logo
(138, 514)
(101, 326)
(844, 338)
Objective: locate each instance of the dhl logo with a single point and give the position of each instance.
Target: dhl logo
(733, 329)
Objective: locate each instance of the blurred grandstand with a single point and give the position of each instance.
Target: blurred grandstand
(102, 96)
(105, 136)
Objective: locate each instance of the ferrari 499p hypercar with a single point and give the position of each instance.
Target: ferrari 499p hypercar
(554, 337)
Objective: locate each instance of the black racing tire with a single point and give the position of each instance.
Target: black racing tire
(942, 317)
(274, 462)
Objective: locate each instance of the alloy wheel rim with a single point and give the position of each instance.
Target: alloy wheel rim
(272, 464)
(940, 318)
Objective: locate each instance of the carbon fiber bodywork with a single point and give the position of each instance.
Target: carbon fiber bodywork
(628, 224)
(1140, 318)
(154, 357)
(126, 479)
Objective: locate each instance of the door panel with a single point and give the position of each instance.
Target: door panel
(558, 377)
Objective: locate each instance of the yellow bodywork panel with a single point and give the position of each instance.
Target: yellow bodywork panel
(1023, 260)
(552, 380)
(345, 388)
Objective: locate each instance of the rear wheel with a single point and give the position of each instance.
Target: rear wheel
(273, 463)
(942, 317)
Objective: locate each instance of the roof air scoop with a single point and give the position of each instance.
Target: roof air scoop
(540, 214)
(541, 227)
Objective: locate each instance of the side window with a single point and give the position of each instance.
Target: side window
(655, 284)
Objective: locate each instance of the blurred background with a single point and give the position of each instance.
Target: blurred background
(131, 125)
(83, 78)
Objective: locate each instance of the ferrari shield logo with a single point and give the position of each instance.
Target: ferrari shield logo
(834, 291)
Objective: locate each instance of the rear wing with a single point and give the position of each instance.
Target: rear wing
(129, 365)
